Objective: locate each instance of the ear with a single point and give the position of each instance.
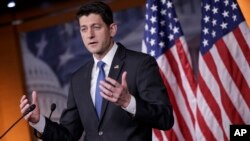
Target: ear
(113, 29)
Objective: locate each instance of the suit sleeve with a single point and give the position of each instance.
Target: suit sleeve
(69, 128)
(152, 103)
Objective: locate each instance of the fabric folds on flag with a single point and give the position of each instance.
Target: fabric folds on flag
(163, 39)
(223, 92)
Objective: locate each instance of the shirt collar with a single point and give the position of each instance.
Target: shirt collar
(107, 59)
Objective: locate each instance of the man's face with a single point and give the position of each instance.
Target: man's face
(96, 35)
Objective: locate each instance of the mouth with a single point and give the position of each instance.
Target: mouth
(92, 43)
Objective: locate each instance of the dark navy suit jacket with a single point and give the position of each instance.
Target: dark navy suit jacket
(153, 109)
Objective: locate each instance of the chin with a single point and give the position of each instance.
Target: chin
(93, 50)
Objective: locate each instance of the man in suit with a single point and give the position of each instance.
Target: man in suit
(117, 96)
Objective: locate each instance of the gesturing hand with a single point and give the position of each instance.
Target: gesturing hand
(33, 116)
(115, 92)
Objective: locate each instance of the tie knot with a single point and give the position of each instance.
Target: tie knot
(100, 64)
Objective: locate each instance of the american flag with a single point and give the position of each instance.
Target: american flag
(163, 39)
(223, 92)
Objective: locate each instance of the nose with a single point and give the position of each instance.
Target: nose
(90, 33)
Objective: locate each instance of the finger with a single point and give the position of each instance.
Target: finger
(25, 108)
(113, 82)
(107, 85)
(34, 98)
(22, 99)
(124, 79)
(23, 103)
(105, 90)
(28, 116)
(111, 99)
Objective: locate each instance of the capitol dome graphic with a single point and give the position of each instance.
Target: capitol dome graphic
(40, 77)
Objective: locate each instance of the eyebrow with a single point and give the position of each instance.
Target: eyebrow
(91, 25)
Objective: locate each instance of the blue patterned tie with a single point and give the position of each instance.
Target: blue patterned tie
(98, 97)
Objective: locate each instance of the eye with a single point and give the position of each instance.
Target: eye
(83, 29)
(96, 27)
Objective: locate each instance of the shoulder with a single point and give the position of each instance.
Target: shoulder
(134, 55)
(84, 68)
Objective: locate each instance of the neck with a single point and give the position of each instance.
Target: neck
(103, 54)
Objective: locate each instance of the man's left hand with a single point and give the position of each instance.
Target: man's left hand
(115, 92)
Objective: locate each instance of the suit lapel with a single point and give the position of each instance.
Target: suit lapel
(115, 72)
(84, 93)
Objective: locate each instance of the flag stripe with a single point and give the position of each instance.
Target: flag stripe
(244, 51)
(185, 63)
(204, 128)
(244, 46)
(176, 71)
(210, 94)
(226, 102)
(164, 135)
(188, 82)
(163, 62)
(183, 127)
(211, 84)
(234, 71)
(199, 136)
(239, 55)
(246, 33)
(158, 134)
(172, 136)
(231, 89)
(211, 103)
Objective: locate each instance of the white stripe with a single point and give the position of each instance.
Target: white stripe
(236, 52)
(185, 83)
(185, 48)
(144, 47)
(245, 30)
(214, 88)
(230, 87)
(199, 136)
(212, 84)
(176, 128)
(164, 136)
(154, 137)
(209, 117)
(165, 67)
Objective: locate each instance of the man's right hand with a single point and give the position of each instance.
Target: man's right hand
(33, 116)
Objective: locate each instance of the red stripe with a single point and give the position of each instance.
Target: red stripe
(225, 100)
(185, 65)
(204, 128)
(175, 70)
(214, 107)
(158, 134)
(242, 43)
(234, 71)
(171, 97)
(182, 124)
(171, 135)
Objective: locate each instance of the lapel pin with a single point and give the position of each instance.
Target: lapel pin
(116, 67)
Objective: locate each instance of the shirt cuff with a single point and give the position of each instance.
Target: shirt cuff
(40, 125)
(131, 108)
